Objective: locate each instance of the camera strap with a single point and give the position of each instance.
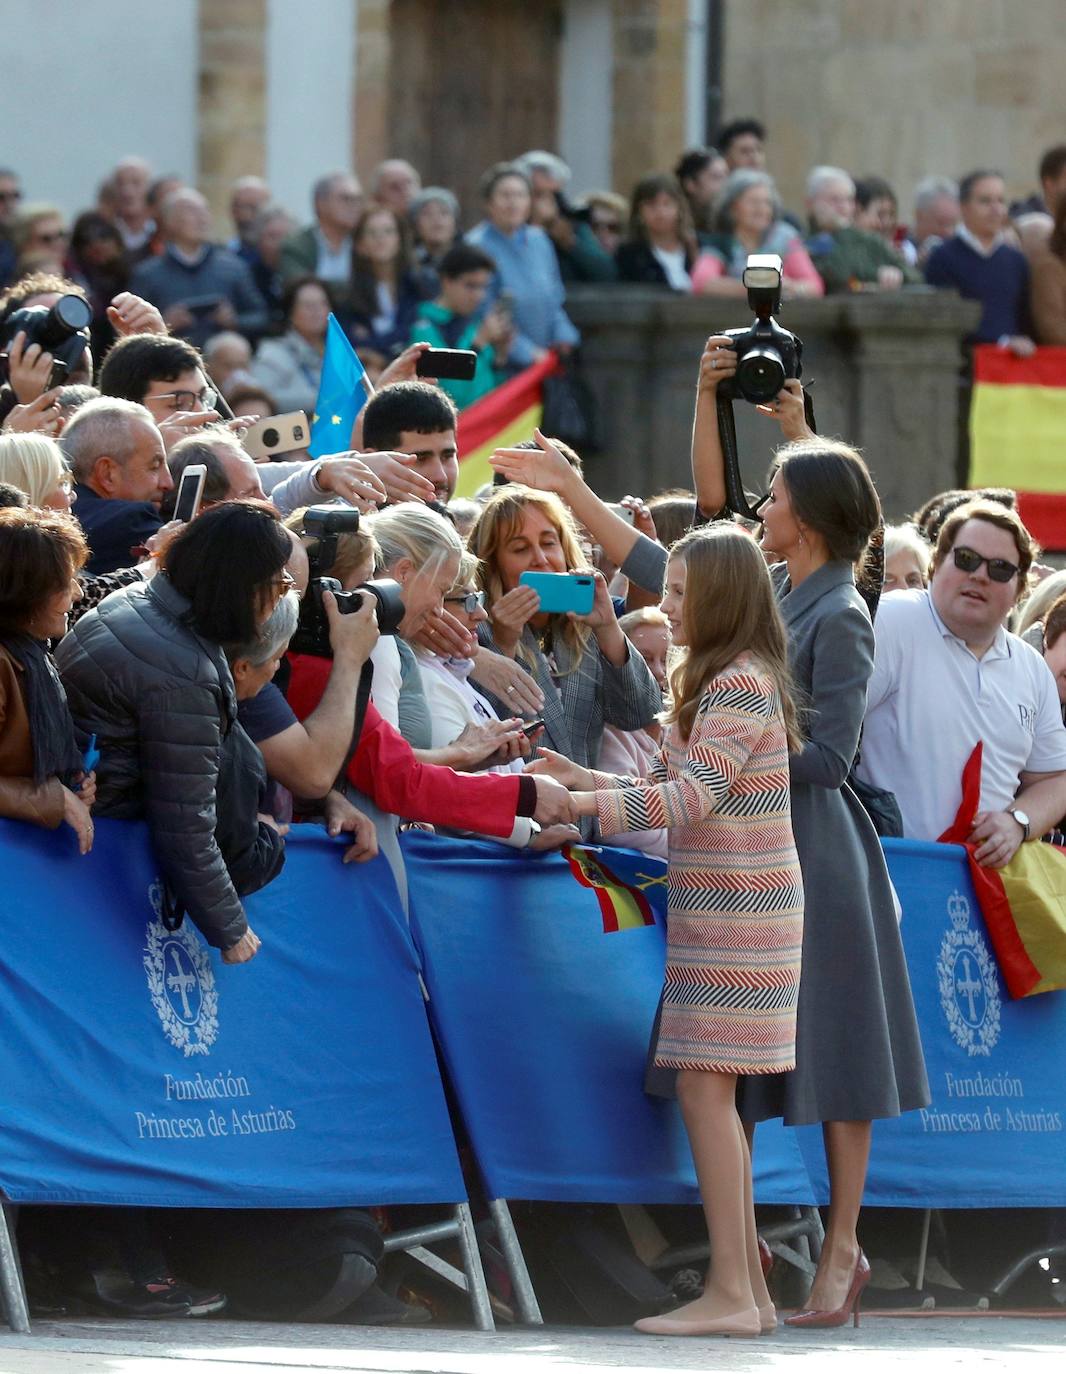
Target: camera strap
(362, 701)
(736, 497)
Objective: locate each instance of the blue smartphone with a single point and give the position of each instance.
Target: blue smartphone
(561, 592)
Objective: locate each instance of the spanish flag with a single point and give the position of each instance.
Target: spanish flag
(624, 904)
(1018, 434)
(503, 418)
(1023, 903)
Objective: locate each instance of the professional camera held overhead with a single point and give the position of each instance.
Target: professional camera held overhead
(767, 357)
(61, 329)
(325, 525)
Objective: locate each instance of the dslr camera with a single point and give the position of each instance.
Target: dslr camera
(767, 355)
(61, 329)
(325, 524)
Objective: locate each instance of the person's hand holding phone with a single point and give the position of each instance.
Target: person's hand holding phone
(510, 615)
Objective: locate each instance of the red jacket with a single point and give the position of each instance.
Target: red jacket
(385, 768)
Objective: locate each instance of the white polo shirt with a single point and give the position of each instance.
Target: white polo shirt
(930, 700)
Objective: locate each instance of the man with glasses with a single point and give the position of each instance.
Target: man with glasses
(947, 674)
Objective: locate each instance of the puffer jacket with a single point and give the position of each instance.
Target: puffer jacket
(161, 702)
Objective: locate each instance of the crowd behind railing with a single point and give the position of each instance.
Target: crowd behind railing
(690, 682)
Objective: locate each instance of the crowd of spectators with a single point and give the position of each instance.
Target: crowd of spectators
(172, 643)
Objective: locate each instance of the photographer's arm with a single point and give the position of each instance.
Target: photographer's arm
(718, 363)
(307, 756)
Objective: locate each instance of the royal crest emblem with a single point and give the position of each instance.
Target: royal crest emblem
(181, 982)
(967, 979)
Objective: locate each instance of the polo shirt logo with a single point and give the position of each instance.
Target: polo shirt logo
(1027, 715)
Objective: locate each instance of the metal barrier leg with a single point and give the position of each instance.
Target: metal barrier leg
(475, 1274)
(14, 1294)
(526, 1298)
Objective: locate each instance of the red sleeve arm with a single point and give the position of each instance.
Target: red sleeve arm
(385, 768)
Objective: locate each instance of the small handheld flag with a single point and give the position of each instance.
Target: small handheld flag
(342, 393)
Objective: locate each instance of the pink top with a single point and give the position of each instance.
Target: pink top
(796, 266)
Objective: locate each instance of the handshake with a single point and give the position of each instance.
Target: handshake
(565, 790)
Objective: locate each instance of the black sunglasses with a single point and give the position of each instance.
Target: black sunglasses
(999, 569)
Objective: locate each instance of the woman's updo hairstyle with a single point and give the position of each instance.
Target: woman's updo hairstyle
(408, 530)
(831, 492)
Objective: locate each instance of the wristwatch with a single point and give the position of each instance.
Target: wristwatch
(1023, 821)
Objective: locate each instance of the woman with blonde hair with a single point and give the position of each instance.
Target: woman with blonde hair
(589, 672)
(35, 464)
(735, 909)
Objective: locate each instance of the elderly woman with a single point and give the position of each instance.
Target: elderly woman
(291, 367)
(748, 220)
(526, 266)
(907, 556)
(41, 774)
(589, 672)
(434, 219)
(147, 674)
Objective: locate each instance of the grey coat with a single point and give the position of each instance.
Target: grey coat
(161, 702)
(859, 1054)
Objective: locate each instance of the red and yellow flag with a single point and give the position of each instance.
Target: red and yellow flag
(623, 906)
(1018, 434)
(508, 414)
(1023, 903)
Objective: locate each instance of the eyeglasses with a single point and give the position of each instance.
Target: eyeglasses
(470, 601)
(999, 569)
(187, 400)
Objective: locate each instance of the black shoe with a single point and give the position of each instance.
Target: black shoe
(378, 1308)
(164, 1296)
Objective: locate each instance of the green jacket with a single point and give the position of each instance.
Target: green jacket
(850, 254)
(429, 328)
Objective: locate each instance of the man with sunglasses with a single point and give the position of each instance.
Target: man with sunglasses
(947, 674)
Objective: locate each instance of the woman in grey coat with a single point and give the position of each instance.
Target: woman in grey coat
(859, 1054)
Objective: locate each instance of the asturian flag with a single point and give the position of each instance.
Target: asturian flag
(342, 393)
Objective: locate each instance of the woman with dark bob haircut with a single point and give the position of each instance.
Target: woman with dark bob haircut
(41, 775)
(858, 1052)
(146, 673)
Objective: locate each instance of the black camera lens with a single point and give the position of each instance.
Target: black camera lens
(270, 437)
(760, 376)
(72, 313)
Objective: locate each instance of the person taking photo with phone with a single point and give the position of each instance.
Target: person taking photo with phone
(590, 674)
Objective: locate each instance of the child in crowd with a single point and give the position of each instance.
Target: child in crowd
(735, 907)
(454, 320)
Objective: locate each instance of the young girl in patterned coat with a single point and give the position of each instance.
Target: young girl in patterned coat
(735, 911)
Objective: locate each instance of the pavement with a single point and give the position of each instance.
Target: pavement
(944, 1344)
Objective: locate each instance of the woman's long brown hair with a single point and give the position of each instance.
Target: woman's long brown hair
(730, 609)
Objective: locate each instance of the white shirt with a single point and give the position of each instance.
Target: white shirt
(673, 264)
(985, 250)
(931, 699)
(388, 672)
(334, 264)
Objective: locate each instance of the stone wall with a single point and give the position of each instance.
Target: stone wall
(902, 88)
(884, 371)
(232, 108)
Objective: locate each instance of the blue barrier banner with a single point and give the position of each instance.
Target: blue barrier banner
(543, 987)
(993, 1135)
(137, 1068)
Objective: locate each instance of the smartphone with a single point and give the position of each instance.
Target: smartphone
(623, 512)
(504, 304)
(276, 434)
(452, 364)
(560, 592)
(533, 727)
(190, 492)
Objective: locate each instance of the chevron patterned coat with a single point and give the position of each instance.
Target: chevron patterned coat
(735, 908)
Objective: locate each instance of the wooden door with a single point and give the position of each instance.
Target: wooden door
(472, 82)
